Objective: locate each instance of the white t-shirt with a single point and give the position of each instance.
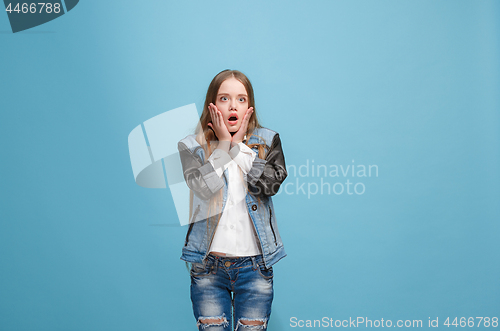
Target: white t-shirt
(235, 234)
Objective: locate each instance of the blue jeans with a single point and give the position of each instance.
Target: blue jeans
(222, 285)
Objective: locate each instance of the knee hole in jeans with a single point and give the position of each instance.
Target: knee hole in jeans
(251, 324)
(212, 321)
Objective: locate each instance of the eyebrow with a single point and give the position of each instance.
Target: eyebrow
(228, 94)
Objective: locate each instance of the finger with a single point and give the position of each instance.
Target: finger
(212, 107)
(215, 110)
(211, 112)
(220, 120)
(218, 115)
(248, 114)
(214, 116)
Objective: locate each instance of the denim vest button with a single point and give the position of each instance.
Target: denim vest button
(227, 264)
(254, 207)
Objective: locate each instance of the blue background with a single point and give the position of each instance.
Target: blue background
(409, 86)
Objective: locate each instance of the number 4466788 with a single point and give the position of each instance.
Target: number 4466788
(35, 8)
(471, 322)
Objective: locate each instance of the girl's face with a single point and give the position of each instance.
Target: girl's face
(232, 101)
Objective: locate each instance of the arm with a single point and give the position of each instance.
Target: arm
(201, 178)
(266, 176)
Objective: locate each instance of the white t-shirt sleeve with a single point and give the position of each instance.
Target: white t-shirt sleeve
(219, 159)
(243, 156)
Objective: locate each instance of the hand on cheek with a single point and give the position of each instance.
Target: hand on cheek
(218, 124)
(242, 131)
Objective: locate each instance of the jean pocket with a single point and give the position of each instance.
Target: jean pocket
(200, 269)
(265, 273)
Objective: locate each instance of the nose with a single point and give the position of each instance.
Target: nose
(232, 104)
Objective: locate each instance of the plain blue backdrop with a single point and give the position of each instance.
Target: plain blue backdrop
(409, 86)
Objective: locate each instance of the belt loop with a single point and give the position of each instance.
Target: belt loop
(216, 265)
(254, 263)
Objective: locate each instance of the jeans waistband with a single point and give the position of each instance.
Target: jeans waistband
(235, 261)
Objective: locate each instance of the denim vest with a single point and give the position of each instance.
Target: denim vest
(199, 235)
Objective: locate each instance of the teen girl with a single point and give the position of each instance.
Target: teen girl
(232, 166)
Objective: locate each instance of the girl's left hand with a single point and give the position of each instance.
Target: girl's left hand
(242, 131)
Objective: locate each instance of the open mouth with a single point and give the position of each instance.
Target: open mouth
(234, 117)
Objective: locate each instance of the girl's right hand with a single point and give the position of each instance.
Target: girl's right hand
(218, 124)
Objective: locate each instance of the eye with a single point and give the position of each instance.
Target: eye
(223, 98)
(242, 99)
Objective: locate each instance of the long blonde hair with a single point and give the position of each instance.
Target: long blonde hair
(205, 135)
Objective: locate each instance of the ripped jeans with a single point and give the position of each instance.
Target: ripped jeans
(222, 285)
